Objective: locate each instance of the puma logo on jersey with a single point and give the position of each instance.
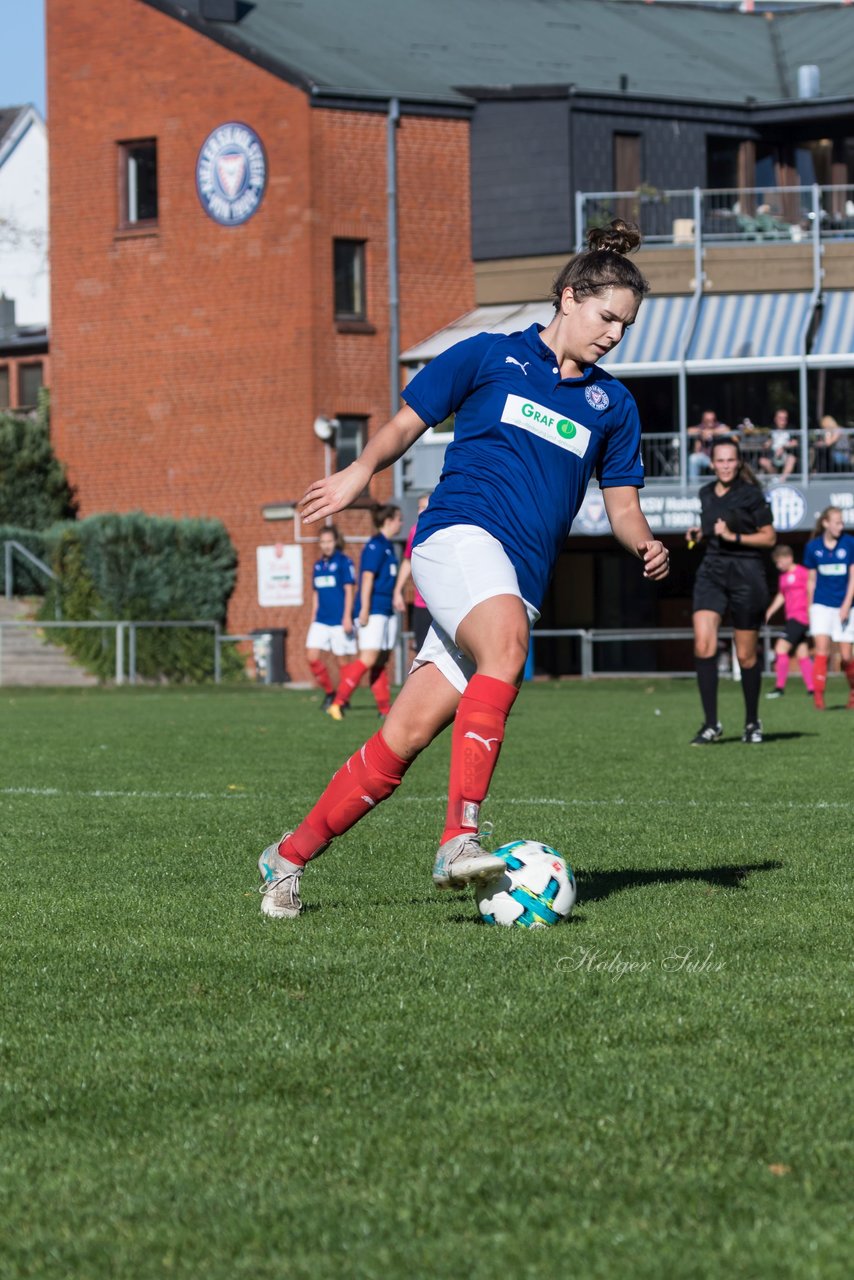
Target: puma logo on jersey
(487, 742)
(513, 360)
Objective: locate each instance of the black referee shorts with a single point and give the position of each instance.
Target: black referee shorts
(735, 584)
(796, 632)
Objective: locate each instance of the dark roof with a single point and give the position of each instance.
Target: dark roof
(8, 116)
(432, 51)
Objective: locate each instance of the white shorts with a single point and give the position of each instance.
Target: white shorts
(456, 569)
(380, 632)
(330, 640)
(825, 621)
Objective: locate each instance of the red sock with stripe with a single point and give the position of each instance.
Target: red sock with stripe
(321, 675)
(347, 681)
(475, 745)
(367, 778)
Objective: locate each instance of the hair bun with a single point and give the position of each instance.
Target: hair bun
(617, 237)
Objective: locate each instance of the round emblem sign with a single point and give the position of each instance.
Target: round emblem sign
(231, 173)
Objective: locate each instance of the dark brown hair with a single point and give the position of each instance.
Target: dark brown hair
(604, 264)
(386, 511)
(744, 470)
(334, 530)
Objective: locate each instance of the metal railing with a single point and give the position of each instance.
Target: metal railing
(661, 452)
(125, 639)
(11, 547)
(727, 215)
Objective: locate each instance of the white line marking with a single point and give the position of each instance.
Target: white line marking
(539, 801)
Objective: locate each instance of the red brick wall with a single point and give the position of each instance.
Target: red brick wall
(188, 364)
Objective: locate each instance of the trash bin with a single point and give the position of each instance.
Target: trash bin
(269, 649)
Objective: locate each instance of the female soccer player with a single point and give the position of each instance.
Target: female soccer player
(829, 556)
(737, 523)
(331, 627)
(791, 592)
(535, 418)
(377, 629)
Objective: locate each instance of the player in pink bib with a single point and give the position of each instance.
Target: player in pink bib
(793, 594)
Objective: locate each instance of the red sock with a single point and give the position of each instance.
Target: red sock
(368, 777)
(347, 681)
(805, 665)
(849, 675)
(382, 692)
(476, 742)
(819, 678)
(321, 675)
(782, 670)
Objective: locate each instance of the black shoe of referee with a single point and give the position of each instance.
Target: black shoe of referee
(707, 734)
(752, 732)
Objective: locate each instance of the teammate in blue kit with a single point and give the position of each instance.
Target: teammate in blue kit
(535, 419)
(331, 628)
(377, 630)
(829, 556)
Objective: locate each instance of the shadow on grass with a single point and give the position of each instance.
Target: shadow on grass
(593, 886)
(767, 737)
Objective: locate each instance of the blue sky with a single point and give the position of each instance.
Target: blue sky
(22, 76)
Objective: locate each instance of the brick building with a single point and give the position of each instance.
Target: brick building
(190, 358)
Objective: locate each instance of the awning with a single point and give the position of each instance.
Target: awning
(653, 345)
(749, 331)
(834, 339)
(505, 318)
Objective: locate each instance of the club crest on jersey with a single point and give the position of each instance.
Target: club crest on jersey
(231, 174)
(596, 397)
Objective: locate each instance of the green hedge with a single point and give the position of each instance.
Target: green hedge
(26, 579)
(140, 567)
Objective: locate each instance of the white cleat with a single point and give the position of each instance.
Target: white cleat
(462, 860)
(280, 884)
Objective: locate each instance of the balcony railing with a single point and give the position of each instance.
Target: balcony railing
(732, 215)
(662, 460)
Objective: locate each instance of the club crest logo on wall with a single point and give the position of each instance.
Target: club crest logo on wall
(231, 174)
(788, 506)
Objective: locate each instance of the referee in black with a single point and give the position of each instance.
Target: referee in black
(736, 525)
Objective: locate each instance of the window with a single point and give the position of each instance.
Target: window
(348, 263)
(30, 379)
(4, 386)
(627, 171)
(138, 182)
(350, 440)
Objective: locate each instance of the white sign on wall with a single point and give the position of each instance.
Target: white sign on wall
(279, 575)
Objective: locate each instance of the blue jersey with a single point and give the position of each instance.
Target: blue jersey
(526, 443)
(379, 559)
(831, 569)
(330, 578)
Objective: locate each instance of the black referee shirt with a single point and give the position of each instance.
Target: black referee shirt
(744, 510)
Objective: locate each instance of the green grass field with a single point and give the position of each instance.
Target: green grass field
(386, 1088)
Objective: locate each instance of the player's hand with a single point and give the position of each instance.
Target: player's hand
(333, 493)
(722, 530)
(398, 603)
(656, 559)
(364, 618)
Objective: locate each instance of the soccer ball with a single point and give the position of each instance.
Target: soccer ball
(537, 889)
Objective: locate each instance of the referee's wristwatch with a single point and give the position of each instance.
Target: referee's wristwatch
(737, 536)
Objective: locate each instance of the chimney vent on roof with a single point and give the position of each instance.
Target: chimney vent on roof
(809, 81)
(7, 315)
(219, 10)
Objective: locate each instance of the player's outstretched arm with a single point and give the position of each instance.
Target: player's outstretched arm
(629, 525)
(334, 493)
